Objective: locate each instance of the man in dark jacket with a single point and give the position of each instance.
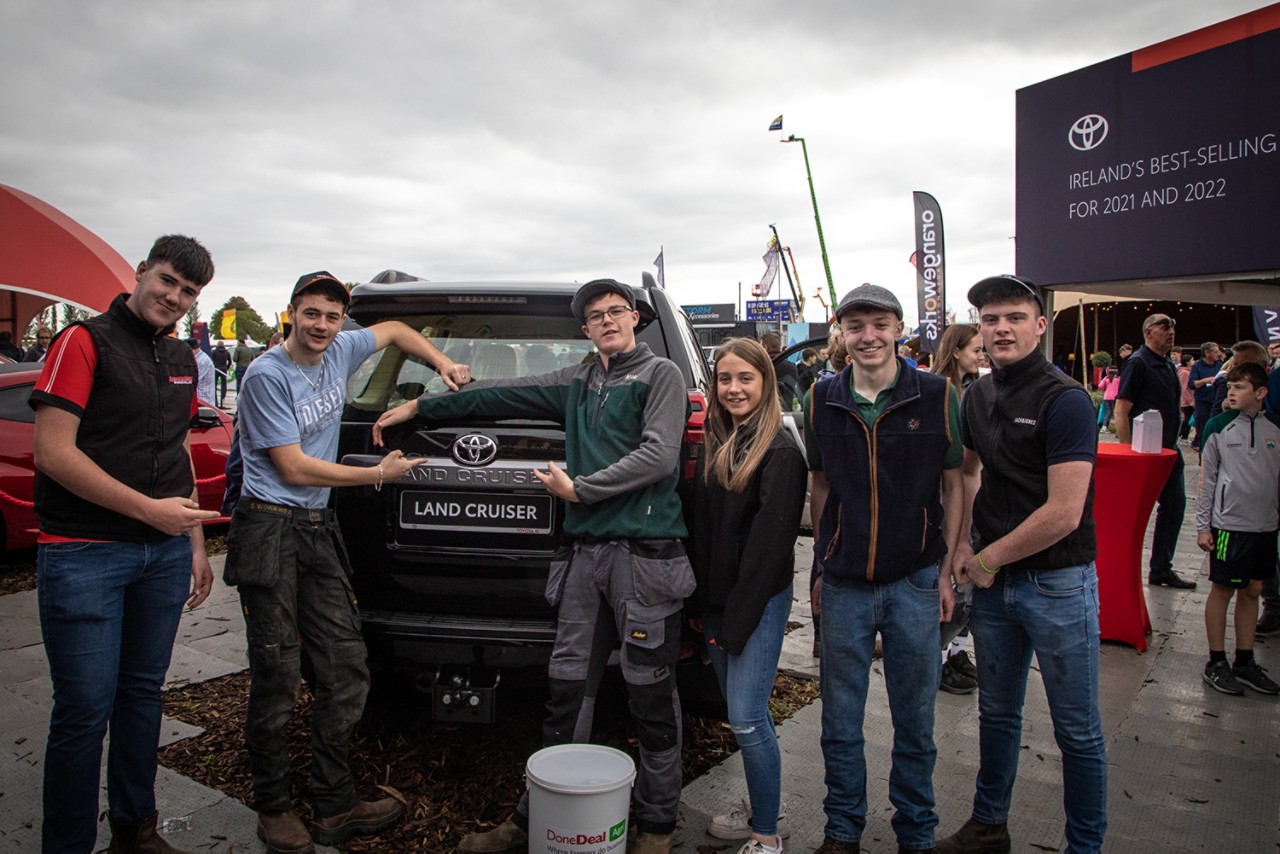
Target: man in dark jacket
(121, 547)
(1149, 380)
(1030, 439)
(883, 442)
(8, 348)
(1203, 371)
(35, 353)
(222, 365)
(790, 391)
(626, 575)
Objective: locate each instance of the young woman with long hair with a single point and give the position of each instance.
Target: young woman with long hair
(959, 355)
(748, 494)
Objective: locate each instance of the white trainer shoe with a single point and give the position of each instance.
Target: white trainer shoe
(736, 824)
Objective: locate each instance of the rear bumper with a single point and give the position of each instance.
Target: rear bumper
(447, 628)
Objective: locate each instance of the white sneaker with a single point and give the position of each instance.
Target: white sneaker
(736, 824)
(754, 846)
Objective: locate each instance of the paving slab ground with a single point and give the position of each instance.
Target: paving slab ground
(1190, 769)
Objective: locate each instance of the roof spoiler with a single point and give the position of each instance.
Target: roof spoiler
(394, 277)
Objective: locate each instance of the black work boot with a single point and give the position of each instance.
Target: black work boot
(143, 839)
(977, 838)
(836, 846)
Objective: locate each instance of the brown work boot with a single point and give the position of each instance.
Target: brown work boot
(143, 839)
(366, 818)
(652, 843)
(507, 836)
(284, 833)
(977, 838)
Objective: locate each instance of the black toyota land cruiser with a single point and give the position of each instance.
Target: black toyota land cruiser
(450, 562)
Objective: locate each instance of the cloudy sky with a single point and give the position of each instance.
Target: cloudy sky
(543, 140)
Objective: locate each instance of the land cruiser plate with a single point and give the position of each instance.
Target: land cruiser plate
(476, 511)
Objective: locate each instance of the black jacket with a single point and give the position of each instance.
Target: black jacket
(743, 543)
(133, 426)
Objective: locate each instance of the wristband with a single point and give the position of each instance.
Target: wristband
(984, 566)
(378, 486)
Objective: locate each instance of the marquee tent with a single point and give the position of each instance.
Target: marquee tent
(47, 257)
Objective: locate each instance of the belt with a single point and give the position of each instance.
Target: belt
(302, 514)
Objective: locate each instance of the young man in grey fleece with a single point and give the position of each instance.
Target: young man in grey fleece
(626, 574)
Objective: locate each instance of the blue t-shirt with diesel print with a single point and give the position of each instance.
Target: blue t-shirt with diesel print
(282, 403)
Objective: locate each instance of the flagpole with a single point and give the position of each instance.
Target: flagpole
(813, 195)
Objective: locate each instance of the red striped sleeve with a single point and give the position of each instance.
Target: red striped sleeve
(68, 371)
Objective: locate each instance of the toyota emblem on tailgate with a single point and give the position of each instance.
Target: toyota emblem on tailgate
(475, 449)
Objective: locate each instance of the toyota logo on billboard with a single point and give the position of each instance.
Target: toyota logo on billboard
(475, 450)
(1088, 132)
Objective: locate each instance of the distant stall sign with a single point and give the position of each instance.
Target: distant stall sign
(714, 313)
(772, 310)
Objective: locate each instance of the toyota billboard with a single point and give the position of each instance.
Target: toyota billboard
(1158, 164)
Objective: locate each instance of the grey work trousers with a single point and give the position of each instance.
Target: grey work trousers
(630, 591)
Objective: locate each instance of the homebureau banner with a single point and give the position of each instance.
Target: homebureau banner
(930, 271)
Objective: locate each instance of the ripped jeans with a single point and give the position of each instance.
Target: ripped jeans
(746, 681)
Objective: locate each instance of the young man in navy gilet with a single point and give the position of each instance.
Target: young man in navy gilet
(883, 442)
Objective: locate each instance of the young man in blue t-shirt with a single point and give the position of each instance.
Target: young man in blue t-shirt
(285, 554)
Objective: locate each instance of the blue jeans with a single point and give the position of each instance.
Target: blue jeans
(108, 615)
(746, 681)
(906, 614)
(1170, 508)
(1053, 613)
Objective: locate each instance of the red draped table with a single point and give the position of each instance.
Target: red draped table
(1125, 488)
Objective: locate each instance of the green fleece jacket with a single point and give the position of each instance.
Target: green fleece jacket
(622, 427)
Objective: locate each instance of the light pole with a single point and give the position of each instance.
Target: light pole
(822, 244)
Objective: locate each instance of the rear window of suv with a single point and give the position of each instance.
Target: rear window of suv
(495, 345)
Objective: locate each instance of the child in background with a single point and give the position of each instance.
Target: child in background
(1237, 517)
(1110, 387)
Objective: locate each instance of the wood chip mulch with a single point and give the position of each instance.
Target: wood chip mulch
(18, 572)
(452, 778)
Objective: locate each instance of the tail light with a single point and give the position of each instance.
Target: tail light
(695, 434)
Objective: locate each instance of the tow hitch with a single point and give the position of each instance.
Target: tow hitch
(462, 695)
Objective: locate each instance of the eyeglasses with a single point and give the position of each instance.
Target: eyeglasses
(1164, 321)
(596, 318)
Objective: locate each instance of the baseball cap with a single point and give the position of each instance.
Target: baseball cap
(867, 296)
(321, 277)
(597, 288)
(1004, 287)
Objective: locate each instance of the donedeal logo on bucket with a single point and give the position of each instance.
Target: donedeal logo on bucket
(578, 842)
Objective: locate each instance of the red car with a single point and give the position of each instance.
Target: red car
(210, 444)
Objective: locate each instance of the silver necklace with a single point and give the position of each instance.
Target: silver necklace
(314, 384)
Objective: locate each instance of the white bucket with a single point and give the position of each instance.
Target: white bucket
(579, 799)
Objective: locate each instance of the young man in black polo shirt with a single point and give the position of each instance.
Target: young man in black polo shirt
(1150, 381)
(1030, 440)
